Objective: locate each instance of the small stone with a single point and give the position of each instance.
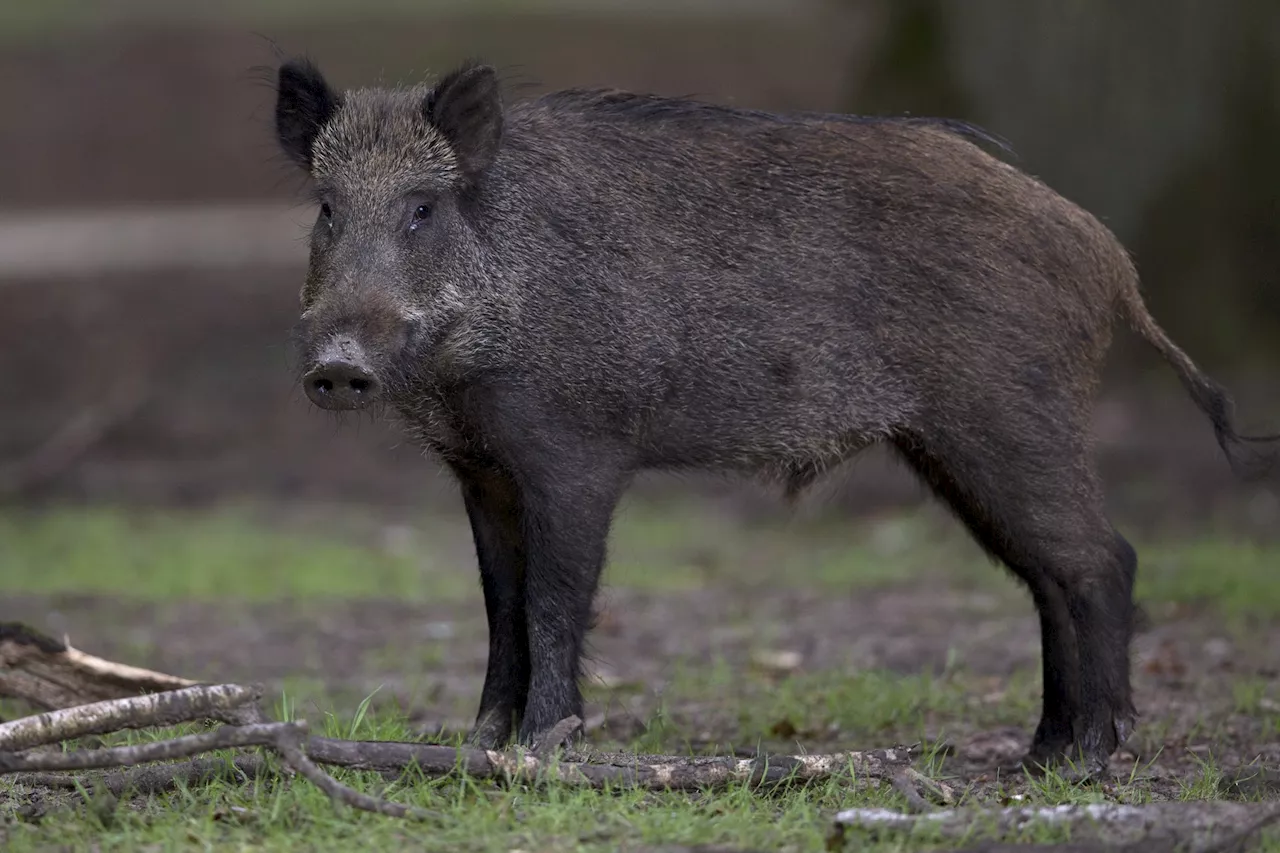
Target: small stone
(778, 660)
(1219, 650)
(440, 630)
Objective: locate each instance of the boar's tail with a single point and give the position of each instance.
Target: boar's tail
(1249, 456)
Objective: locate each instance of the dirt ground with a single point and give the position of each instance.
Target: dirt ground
(1185, 667)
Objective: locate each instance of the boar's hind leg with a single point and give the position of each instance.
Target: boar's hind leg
(1032, 501)
(493, 510)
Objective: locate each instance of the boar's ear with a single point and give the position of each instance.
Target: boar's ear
(466, 107)
(304, 103)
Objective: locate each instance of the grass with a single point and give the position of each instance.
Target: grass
(706, 705)
(672, 548)
(834, 706)
(1239, 579)
(165, 555)
(170, 555)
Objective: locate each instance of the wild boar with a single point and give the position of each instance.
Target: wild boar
(556, 294)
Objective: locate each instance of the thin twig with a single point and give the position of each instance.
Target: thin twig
(916, 804)
(288, 745)
(226, 737)
(941, 793)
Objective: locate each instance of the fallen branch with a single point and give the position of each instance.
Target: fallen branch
(220, 701)
(655, 772)
(156, 779)
(1209, 826)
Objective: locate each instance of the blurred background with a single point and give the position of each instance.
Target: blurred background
(152, 241)
(169, 498)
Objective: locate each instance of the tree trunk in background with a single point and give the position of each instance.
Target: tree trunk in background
(1162, 117)
(1208, 243)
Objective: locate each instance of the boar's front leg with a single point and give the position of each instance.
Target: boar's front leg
(568, 497)
(492, 506)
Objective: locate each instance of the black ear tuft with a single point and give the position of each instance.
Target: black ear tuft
(304, 103)
(466, 106)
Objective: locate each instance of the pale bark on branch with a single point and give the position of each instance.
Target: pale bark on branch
(50, 674)
(170, 708)
(1207, 826)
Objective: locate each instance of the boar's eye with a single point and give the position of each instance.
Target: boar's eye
(326, 213)
(420, 215)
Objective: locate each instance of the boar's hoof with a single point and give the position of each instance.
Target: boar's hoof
(492, 731)
(1071, 767)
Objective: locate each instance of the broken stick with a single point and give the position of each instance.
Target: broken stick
(50, 674)
(155, 779)
(654, 772)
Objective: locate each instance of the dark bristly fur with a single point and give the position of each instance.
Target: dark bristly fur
(556, 294)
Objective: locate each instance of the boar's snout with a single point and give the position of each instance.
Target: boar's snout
(341, 379)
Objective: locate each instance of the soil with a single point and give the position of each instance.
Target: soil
(1185, 665)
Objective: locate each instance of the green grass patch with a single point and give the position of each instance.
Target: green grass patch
(169, 555)
(1238, 578)
(746, 708)
(671, 547)
(680, 545)
(237, 554)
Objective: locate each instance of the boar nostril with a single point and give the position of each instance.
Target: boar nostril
(341, 383)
